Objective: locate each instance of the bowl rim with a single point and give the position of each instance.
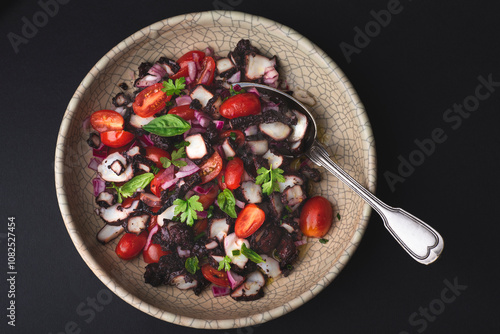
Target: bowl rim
(368, 148)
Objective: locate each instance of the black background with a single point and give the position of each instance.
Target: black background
(427, 59)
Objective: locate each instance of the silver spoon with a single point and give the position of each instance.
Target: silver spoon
(421, 241)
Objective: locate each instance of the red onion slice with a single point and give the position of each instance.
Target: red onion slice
(219, 125)
(99, 186)
(101, 152)
(150, 236)
(183, 100)
(94, 163)
(145, 141)
(239, 204)
(187, 170)
(86, 124)
(202, 191)
(192, 70)
(234, 279)
(220, 291)
(202, 118)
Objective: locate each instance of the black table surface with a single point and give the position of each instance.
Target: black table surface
(428, 73)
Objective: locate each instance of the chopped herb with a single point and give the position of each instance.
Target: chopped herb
(288, 208)
(192, 264)
(187, 209)
(155, 169)
(129, 188)
(236, 252)
(232, 135)
(225, 264)
(250, 254)
(323, 241)
(338, 216)
(169, 103)
(168, 125)
(223, 179)
(199, 236)
(269, 179)
(227, 203)
(182, 144)
(174, 88)
(210, 211)
(230, 158)
(176, 156)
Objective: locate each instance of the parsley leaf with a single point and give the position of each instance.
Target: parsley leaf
(192, 264)
(338, 216)
(176, 155)
(129, 188)
(210, 211)
(182, 144)
(154, 169)
(187, 209)
(225, 264)
(323, 241)
(227, 203)
(250, 254)
(269, 179)
(174, 88)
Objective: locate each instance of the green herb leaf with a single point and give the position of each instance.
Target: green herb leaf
(199, 236)
(182, 144)
(227, 203)
(192, 264)
(166, 162)
(338, 216)
(250, 254)
(155, 169)
(323, 241)
(187, 209)
(269, 179)
(129, 188)
(210, 211)
(174, 88)
(232, 135)
(236, 252)
(176, 156)
(225, 264)
(168, 125)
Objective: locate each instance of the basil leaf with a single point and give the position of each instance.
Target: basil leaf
(167, 126)
(250, 254)
(192, 264)
(138, 182)
(227, 203)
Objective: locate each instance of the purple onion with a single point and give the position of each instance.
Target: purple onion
(183, 100)
(234, 279)
(220, 291)
(94, 163)
(99, 186)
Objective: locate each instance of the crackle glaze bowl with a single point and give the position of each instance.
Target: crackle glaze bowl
(343, 128)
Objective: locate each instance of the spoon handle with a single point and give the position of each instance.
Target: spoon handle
(421, 241)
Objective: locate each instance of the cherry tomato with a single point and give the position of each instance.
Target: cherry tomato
(154, 154)
(249, 220)
(195, 55)
(127, 202)
(150, 101)
(200, 226)
(183, 72)
(234, 171)
(183, 112)
(316, 217)
(159, 179)
(221, 178)
(206, 76)
(211, 168)
(131, 245)
(153, 253)
(240, 137)
(209, 198)
(116, 138)
(215, 276)
(106, 120)
(243, 104)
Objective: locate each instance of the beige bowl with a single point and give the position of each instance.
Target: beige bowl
(343, 127)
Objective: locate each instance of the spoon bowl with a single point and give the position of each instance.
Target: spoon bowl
(422, 242)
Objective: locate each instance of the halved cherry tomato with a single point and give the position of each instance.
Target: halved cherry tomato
(150, 101)
(183, 112)
(221, 178)
(211, 168)
(159, 179)
(183, 72)
(106, 120)
(234, 171)
(154, 219)
(249, 220)
(240, 137)
(131, 245)
(243, 104)
(215, 276)
(154, 154)
(116, 138)
(153, 253)
(316, 217)
(200, 226)
(209, 198)
(206, 76)
(127, 202)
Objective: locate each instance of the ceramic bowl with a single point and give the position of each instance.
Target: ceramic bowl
(343, 127)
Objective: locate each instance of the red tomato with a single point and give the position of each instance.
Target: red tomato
(243, 104)
(240, 137)
(316, 217)
(200, 226)
(215, 276)
(183, 72)
(150, 101)
(206, 76)
(131, 245)
(234, 171)
(183, 112)
(106, 120)
(116, 138)
(196, 56)
(211, 168)
(209, 198)
(153, 253)
(249, 220)
(158, 180)
(221, 178)
(127, 202)
(154, 154)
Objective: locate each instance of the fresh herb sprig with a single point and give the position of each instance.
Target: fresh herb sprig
(227, 203)
(225, 264)
(192, 264)
(187, 209)
(129, 188)
(269, 179)
(176, 156)
(168, 125)
(174, 88)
